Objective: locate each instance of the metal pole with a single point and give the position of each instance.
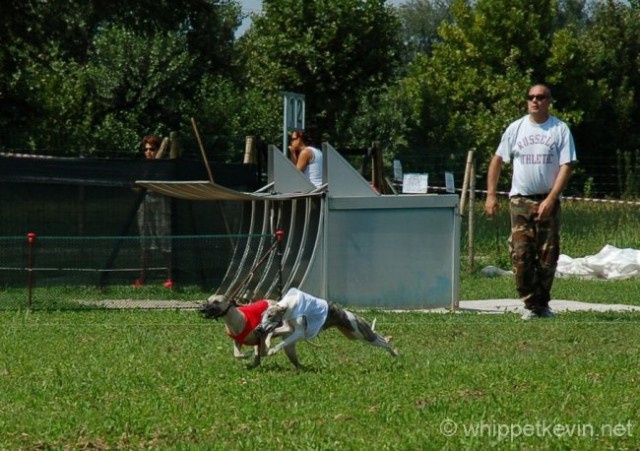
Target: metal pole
(279, 238)
(285, 135)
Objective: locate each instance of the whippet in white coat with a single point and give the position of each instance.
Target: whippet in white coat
(307, 315)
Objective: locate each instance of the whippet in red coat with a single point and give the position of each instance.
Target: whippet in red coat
(240, 323)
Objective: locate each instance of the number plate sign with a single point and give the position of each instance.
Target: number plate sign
(293, 115)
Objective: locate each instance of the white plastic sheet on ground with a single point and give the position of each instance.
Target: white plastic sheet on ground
(610, 263)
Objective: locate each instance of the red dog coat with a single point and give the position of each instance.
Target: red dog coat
(252, 316)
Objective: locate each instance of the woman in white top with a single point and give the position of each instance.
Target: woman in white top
(307, 159)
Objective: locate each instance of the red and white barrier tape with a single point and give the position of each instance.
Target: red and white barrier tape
(582, 199)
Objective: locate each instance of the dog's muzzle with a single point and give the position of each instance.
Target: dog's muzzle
(213, 310)
(207, 312)
(266, 327)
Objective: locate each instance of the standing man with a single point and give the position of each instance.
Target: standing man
(542, 150)
(306, 158)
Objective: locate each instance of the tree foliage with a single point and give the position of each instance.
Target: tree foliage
(420, 20)
(332, 51)
(472, 83)
(98, 75)
(429, 80)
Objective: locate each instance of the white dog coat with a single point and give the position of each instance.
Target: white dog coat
(299, 303)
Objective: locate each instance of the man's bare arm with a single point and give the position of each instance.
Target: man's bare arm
(493, 175)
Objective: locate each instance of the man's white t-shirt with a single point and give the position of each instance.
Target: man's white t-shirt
(537, 151)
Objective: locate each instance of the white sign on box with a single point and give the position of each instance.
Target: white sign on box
(449, 184)
(415, 183)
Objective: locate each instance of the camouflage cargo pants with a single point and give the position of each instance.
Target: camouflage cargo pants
(534, 249)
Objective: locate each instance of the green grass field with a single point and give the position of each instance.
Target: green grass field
(167, 380)
(110, 379)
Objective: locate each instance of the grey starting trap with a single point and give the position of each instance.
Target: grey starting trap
(342, 241)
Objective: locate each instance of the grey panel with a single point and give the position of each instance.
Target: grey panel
(393, 258)
(285, 176)
(342, 178)
(393, 202)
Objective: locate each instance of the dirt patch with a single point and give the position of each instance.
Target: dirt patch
(479, 306)
(144, 304)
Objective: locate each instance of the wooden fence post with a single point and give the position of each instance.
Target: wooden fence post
(249, 150)
(469, 185)
(472, 198)
(465, 184)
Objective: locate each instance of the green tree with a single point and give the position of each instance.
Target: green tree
(33, 33)
(472, 85)
(130, 85)
(420, 21)
(332, 51)
(597, 71)
(103, 73)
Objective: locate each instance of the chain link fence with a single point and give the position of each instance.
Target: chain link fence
(52, 272)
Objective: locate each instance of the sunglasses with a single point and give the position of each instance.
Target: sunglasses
(150, 148)
(538, 97)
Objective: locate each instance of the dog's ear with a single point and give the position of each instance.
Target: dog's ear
(238, 302)
(276, 310)
(217, 298)
(271, 310)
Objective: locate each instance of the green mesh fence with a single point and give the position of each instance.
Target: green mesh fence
(53, 272)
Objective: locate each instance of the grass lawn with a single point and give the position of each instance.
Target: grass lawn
(110, 379)
(167, 380)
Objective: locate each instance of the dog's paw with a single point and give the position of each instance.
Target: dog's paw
(272, 351)
(254, 364)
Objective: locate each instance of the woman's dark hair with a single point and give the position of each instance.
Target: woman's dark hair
(153, 140)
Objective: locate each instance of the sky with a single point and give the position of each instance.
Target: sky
(255, 6)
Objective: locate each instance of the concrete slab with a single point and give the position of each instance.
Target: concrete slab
(515, 306)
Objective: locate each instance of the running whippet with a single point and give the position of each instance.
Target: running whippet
(240, 323)
(307, 315)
